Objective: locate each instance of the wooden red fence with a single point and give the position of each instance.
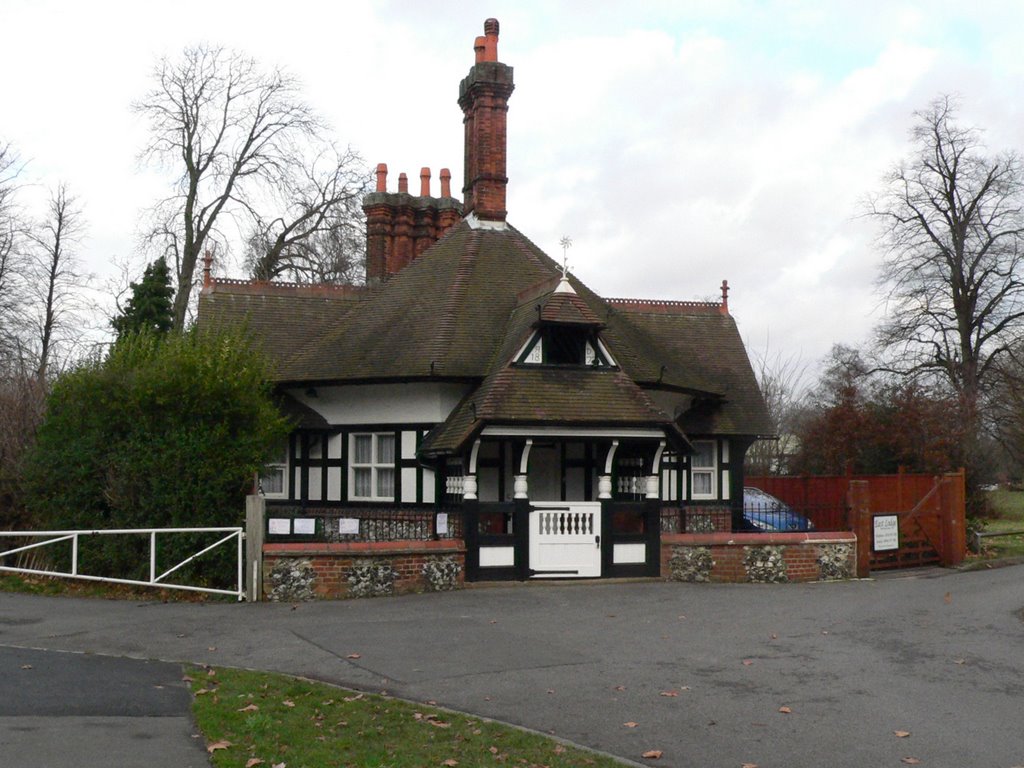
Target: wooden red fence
(930, 511)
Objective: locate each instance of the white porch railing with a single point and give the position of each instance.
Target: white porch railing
(155, 580)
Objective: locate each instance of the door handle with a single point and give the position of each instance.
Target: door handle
(598, 540)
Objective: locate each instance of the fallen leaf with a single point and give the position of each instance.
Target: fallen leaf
(493, 750)
(354, 656)
(202, 691)
(279, 765)
(785, 710)
(450, 762)
(250, 708)
(961, 662)
(948, 598)
(910, 761)
(670, 693)
(684, 688)
(559, 749)
(212, 648)
(357, 697)
(252, 762)
(681, 616)
(26, 666)
(652, 754)
(493, 621)
(439, 724)
(551, 690)
(288, 703)
(773, 636)
(186, 679)
(901, 734)
(222, 744)
(750, 765)
(824, 631)
(631, 724)
(747, 662)
(620, 687)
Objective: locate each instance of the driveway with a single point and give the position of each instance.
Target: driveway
(712, 675)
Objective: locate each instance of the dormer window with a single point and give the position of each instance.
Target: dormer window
(564, 345)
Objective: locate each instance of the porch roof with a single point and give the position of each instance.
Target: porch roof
(546, 396)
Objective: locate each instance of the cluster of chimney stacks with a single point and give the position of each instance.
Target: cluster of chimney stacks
(400, 226)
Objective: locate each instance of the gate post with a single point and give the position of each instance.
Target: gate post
(952, 519)
(860, 523)
(255, 512)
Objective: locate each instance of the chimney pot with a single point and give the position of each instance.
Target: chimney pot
(725, 297)
(491, 40)
(424, 182)
(446, 183)
(382, 177)
(403, 183)
(480, 47)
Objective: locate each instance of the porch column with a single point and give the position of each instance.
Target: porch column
(469, 485)
(604, 482)
(520, 487)
(651, 489)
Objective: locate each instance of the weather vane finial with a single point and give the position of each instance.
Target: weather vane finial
(566, 243)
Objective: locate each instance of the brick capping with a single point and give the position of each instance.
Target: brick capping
(434, 546)
(667, 307)
(757, 539)
(271, 287)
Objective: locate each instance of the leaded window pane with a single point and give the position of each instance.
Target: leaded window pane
(385, 483)
(363, 449)
(363, 482)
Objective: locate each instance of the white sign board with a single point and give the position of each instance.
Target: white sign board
(886, 535)
(305, 526)
(348, 525)
(442, 523)
(279, 526)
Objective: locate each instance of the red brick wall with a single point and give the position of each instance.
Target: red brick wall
(800, 551)
(333, 563)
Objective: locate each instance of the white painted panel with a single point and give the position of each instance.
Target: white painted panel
(494, 557)
(314, 484)
(409, 484)
(334, 447)
(725, 484)
(425, 402)
(408, 445)
(334, 483)
(428, 486)
(629, 553)
(725, 451)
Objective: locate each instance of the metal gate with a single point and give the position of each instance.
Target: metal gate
(565, 539)
(51, 538)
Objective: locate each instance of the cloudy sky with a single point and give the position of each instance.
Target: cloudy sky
(677, 143)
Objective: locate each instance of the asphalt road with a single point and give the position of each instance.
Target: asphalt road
(713, 675)
(62, 710)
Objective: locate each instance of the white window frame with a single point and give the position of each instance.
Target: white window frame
(711, 470)
(278, 465)
(374, 465)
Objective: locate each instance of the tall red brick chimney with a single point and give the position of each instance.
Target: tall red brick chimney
(483, 96)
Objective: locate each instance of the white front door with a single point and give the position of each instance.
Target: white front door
(565, 539)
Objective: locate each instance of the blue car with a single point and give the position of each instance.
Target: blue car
(764, 512)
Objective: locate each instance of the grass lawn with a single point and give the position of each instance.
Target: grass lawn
(1007, 515)
(262, 719)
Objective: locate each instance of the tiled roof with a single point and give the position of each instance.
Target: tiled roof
(463, 309)
(550, 395)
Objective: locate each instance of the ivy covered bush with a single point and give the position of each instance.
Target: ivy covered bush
(165, 431)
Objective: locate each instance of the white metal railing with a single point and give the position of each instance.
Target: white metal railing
(155, 580)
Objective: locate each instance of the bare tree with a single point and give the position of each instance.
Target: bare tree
(952, 226)
(11, 261)
(319, 236)
(55, 282)
(231, 131)
(783, 385)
